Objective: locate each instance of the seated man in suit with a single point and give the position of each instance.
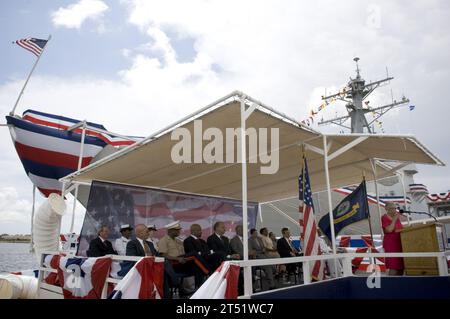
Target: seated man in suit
(256, 250)
(284, 245)
(236, 243)
(195, 245)
(237, 247)
(140, 246)
(101, 246)
(286, 249)
(171, 248)
(220, 244)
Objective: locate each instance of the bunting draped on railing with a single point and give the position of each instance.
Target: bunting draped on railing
(362, 243)
(143, 281)
(85, 278)
(418, 188)
(439, 197)
(222, 284)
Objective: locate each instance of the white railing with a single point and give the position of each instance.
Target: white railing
(346, 259)
(51, 291)
(57, 291)
(109, 279)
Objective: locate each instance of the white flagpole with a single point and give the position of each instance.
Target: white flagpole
(29, 76)
(32, 220)
(330, 204)
(80, 161)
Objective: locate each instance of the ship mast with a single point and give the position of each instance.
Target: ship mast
(354, 95)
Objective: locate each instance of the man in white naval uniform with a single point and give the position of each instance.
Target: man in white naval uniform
(327, 250)
(151, 238)
(120, 245)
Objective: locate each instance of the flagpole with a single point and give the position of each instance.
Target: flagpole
(375, 176)
(29, 76)
(367, 209)
(368, 215)
(330, 204)
(32, 220)
(302, 241)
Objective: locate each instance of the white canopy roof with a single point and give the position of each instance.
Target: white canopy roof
(148, 162)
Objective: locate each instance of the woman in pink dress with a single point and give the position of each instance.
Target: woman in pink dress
(391, 241)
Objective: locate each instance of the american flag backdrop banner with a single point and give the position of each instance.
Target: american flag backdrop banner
(35, 46)
(116, 204)
(308, 226)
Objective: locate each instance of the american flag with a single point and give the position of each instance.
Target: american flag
(35, 46)
(308, 228)
(116, 204)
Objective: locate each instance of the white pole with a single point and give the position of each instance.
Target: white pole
(330, 204)
(248, 289)
(32, 220)
(404, 193)
(80, 161)
(260, 213)
(375, 180)
(28, 78)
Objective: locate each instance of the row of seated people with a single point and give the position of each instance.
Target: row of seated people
(265, 245)
(193, 256)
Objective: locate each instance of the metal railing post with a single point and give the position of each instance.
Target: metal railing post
(442, 265)
(347, 266)
(306, 273)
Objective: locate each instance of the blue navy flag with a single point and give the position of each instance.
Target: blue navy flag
(35, 46)
(351, 209)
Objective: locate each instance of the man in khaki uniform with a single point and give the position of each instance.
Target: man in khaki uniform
(171, 248)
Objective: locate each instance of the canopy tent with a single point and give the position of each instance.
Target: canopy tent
(149, 162)
(334, 160)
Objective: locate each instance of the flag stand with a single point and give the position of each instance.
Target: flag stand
(28, 78)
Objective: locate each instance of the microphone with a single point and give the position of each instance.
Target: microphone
(402, 211)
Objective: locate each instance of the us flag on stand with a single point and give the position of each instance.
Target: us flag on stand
(35, 46)
(308, 227)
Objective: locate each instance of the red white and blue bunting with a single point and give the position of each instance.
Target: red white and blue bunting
(439, 197)
(418, 188)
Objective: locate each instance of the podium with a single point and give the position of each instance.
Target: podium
(422, 238)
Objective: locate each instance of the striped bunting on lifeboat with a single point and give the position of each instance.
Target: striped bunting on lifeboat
(48, 151)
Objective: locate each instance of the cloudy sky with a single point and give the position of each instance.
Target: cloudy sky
(136, 66)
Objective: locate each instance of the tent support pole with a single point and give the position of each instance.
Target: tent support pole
(375, 181)
(402, 179)
(80, 161)
(32, 219)
(330, 204)
(248, 289)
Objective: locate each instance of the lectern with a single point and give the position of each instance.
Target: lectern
(421, 238)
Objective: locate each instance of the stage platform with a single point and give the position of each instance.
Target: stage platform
(356, 288)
